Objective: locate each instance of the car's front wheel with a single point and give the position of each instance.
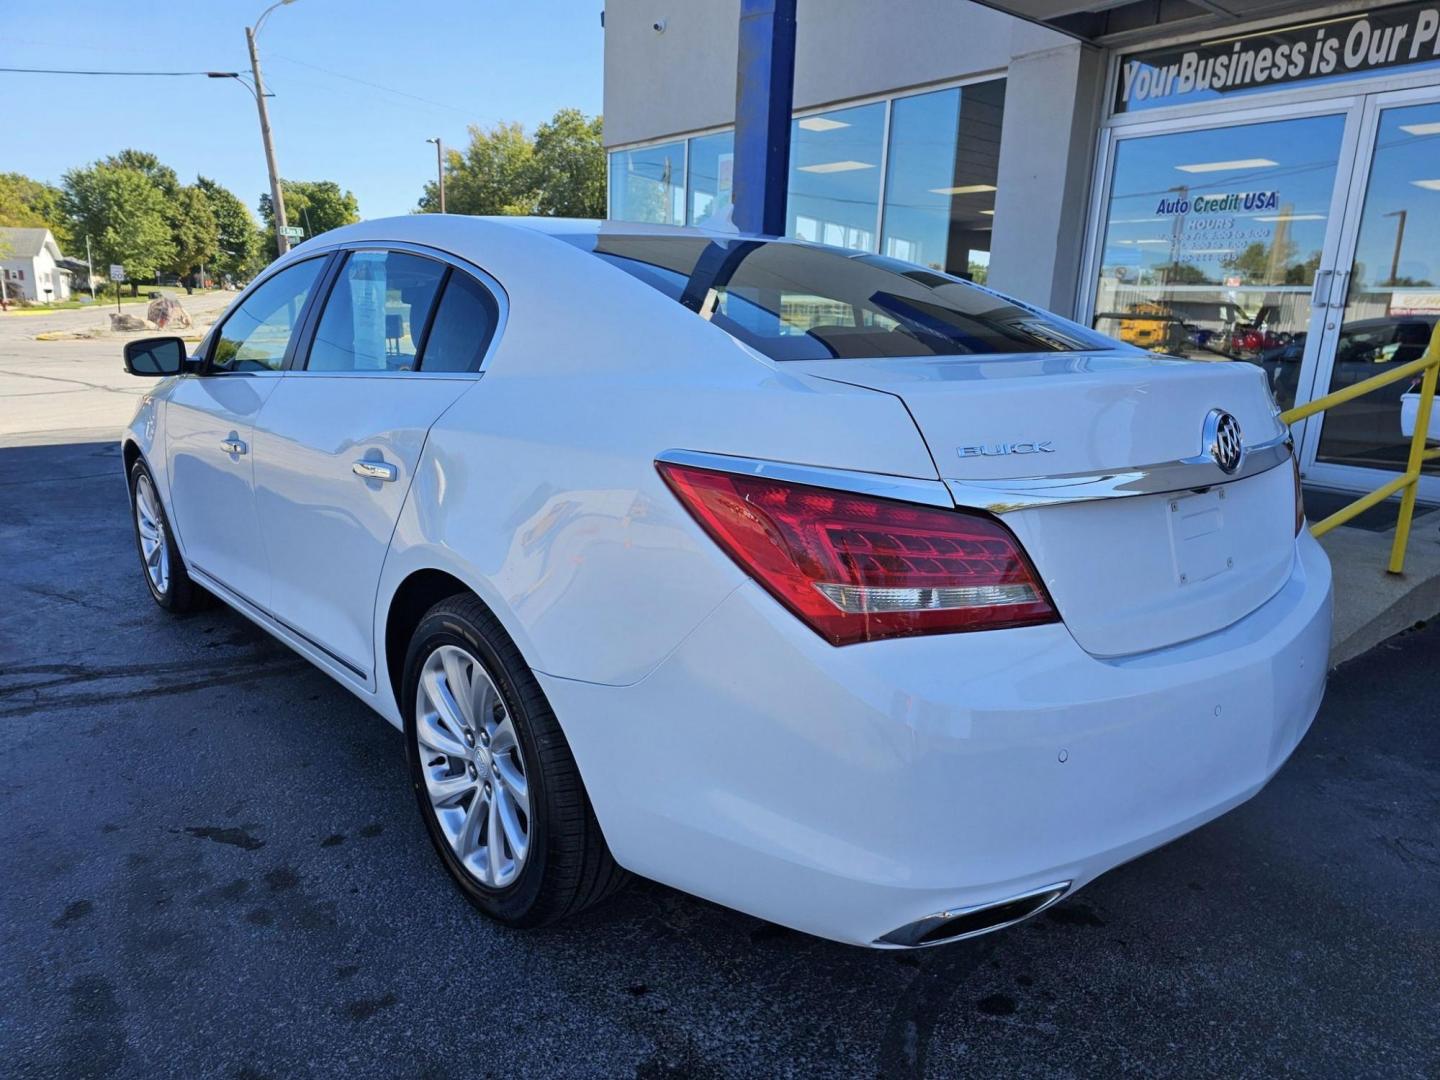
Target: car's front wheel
(493, 775)
(160, 560)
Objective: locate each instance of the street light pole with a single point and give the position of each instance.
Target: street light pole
(277, 196)
(439, 169)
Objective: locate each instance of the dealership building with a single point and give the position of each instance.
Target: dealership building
(1241, 180)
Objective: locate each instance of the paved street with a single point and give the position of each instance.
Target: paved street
(214, 868)
(53, 386)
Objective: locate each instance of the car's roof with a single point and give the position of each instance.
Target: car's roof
(422, 226)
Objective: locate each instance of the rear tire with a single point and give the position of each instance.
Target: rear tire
(493, 776)
(161, 565)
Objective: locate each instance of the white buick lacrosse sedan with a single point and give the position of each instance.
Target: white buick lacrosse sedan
(824, 586)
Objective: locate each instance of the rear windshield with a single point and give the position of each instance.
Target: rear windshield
(795, 301)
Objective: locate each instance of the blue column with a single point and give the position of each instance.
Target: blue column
(764, 95)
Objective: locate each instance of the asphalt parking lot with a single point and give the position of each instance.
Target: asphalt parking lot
(213, 867)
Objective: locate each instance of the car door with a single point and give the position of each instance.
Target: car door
(209, 419)
(399, 339)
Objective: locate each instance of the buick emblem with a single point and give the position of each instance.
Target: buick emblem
(1222, 440)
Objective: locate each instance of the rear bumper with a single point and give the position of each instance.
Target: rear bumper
(848, 792)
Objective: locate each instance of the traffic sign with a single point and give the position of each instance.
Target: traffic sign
(117, 272)
(292, 232)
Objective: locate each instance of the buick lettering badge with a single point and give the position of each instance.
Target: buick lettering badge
(1001, 449)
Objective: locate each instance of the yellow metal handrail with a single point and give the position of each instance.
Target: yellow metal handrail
(1428, 366)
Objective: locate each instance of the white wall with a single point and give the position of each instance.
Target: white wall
(35, 270)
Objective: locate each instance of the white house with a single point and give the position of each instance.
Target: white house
(29, 266)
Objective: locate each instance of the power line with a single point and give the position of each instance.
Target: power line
(68, 71)
(367, 82)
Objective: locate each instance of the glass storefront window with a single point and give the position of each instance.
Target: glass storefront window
(941, 169)
(648, 184)
(712, 161)
(1393, 297)
(835, 176)
(1212, 240)
(938, 181)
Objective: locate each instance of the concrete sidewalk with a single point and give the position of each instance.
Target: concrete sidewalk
(1370, 604)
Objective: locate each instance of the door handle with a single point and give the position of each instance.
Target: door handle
(233, 446)
(1318, 293)
(375, 470)
(1339, 287)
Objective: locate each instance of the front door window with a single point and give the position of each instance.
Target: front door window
(1392, 294)
(1213, 239)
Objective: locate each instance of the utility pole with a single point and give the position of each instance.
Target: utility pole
(439, 169)
(277, 197)
(1399, 243)
(89, 268)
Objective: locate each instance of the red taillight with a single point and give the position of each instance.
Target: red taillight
(857, 568)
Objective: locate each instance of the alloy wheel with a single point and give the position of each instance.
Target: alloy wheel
(154, 550)
(473, 766)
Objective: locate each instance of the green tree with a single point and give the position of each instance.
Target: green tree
(1182, 273)
(238, 241)
(569, 166)
(561, 171)
(142, 161)
(124, 214)
(32, 204)
(316, 206)
(493, 176)
(195, 231)
(1258, 261)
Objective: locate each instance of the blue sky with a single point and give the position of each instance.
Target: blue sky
(459, 63)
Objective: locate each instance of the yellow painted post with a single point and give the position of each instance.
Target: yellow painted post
(1417, 455)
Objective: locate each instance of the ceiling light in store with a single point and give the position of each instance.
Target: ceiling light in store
(1223, 166)
(821, 123)
(1428, 185)
(1420, 129)
(990, 212)
(1152, 241)
(966, 189)
(1291, 217)
(836, 166)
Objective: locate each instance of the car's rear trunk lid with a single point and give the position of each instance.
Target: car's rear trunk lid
(1132, 573)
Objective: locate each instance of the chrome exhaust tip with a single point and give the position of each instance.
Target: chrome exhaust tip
(960, 923)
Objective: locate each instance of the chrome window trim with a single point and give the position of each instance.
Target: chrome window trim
(900, 488)
(455, 262)
(1161, 478)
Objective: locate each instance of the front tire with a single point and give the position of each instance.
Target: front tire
(494, 778)
(160, 561)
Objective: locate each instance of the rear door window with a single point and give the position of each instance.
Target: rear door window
(377, 313)
(464, 324)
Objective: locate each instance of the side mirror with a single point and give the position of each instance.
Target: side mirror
(155, 356)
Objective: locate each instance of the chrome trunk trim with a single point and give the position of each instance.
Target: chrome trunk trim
(1187, 474)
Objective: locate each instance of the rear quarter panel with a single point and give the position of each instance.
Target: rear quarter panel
(539, 488)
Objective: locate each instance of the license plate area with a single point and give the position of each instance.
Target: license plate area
(1200, 544)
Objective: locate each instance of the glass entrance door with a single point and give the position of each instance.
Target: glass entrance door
(1216, 239)
(1384, 300)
